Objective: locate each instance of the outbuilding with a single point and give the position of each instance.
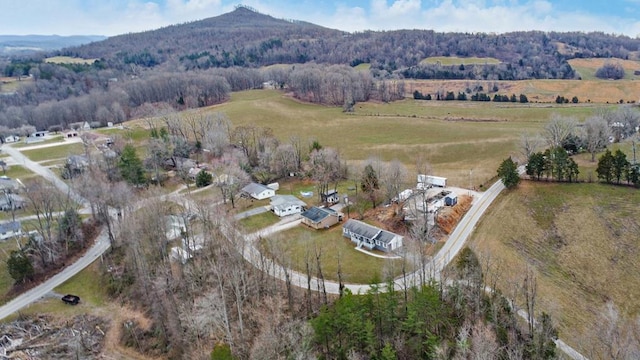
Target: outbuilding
(283, 205)
(258, 191)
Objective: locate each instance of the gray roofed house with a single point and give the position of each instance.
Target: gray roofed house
(283, 205)
(10, 202)
(10, 229)
(320, 218)
(258, 191)
(8, 184)
(370, 236)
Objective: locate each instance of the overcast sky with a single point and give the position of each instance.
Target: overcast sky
(113, 17)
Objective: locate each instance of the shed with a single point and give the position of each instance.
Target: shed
(330, 197)
(451, 199)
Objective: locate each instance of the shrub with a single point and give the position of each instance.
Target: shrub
(610, 71)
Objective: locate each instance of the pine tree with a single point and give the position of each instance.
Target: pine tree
(508, 172)
(130, 166)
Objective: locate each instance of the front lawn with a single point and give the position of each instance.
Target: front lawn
(260, 221)
(302, 243)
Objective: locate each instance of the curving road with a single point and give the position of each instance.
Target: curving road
(249, 251)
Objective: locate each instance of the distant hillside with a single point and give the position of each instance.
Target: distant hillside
(247, 38)
(21, 44)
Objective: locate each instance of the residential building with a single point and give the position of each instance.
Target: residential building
(330, 197)
(10, 202)
(10, 229)
(320, 218)
(258, 191)
(283, 205)
(371, 237)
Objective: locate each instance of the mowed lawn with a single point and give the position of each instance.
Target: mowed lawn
(300, 244)
(54, 152)
(582, 242)
(455, 137)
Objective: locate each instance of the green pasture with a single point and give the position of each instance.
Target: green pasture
(454, 60)
(300, 243)
(455, 137)
(54, 152)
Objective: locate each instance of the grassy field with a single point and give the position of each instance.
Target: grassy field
(53, 140)
(363, 67)
(582, 243)
(356, 266)
(54, 152)
(17, 172)
(454, 137)
(260, 221)
(587, 67)
(454, 60)
(69, 60)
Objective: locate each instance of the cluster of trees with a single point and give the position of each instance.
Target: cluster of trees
(57, 237)
(552, 164)
(609, 70)
(614, 168)
(562, 100)
(478, 96)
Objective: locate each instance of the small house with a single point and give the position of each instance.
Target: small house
(86, 126)
(371, 237)
(9, 185)
(70, 134)
(10, 229)
(330, 197)
(10, 202)
(320, 218)
(283, 205)
(12, 139)
(39, 134)
(258, 191)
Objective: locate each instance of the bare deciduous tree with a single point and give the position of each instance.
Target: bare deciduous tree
(596, 135)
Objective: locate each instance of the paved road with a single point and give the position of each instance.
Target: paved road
(100, 246)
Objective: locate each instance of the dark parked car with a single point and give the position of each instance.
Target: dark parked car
(71, 299)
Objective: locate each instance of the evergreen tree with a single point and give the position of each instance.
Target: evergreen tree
(605, 167)
(370, 184)
(203, 179)
(19, 266)
(508, 173)
(130, 166)
(620, 165)
(536, 165)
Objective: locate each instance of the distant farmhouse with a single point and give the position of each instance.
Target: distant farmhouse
(258, 191)
(283, 205)
(320, 218)
(371, 237)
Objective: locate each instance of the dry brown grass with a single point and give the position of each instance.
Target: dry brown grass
(542, 91)
(582, 243)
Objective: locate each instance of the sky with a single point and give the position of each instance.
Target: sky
(114, 17)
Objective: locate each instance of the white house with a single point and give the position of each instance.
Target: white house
(331, 197)
(10, 229)
(258, 191)
(12, 139)
(283, 205)
(370, 236)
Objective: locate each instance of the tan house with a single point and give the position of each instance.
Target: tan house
(320, 218)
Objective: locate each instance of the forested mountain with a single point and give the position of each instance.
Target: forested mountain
(250, 39)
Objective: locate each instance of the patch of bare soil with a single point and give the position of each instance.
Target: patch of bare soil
(449, 217)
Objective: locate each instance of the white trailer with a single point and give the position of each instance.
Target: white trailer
(428, 181)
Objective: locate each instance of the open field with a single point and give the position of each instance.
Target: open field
(587, 67)
(582, 243)
(54, 152)
(542, 91)
(454, 60)
(357, 267)
(454, 137)
(11, 84)
(69, 60)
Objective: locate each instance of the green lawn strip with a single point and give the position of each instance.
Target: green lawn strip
(54, 152)
(260, 221)
(6, 282)
(87, 284)
(356, 266)
(17, 172)
(53, 140)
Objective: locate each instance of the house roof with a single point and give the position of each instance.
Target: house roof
(330, 192)
(7, 183)
(369, 231)
(11, 198)
(10, 226)
(317, 214)
(284, 201)
(255, 188)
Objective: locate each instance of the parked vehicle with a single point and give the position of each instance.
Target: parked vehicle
(71, 299)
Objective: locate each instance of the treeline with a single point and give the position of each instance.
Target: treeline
(64, 97)
(615, 168)
(463, 96)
